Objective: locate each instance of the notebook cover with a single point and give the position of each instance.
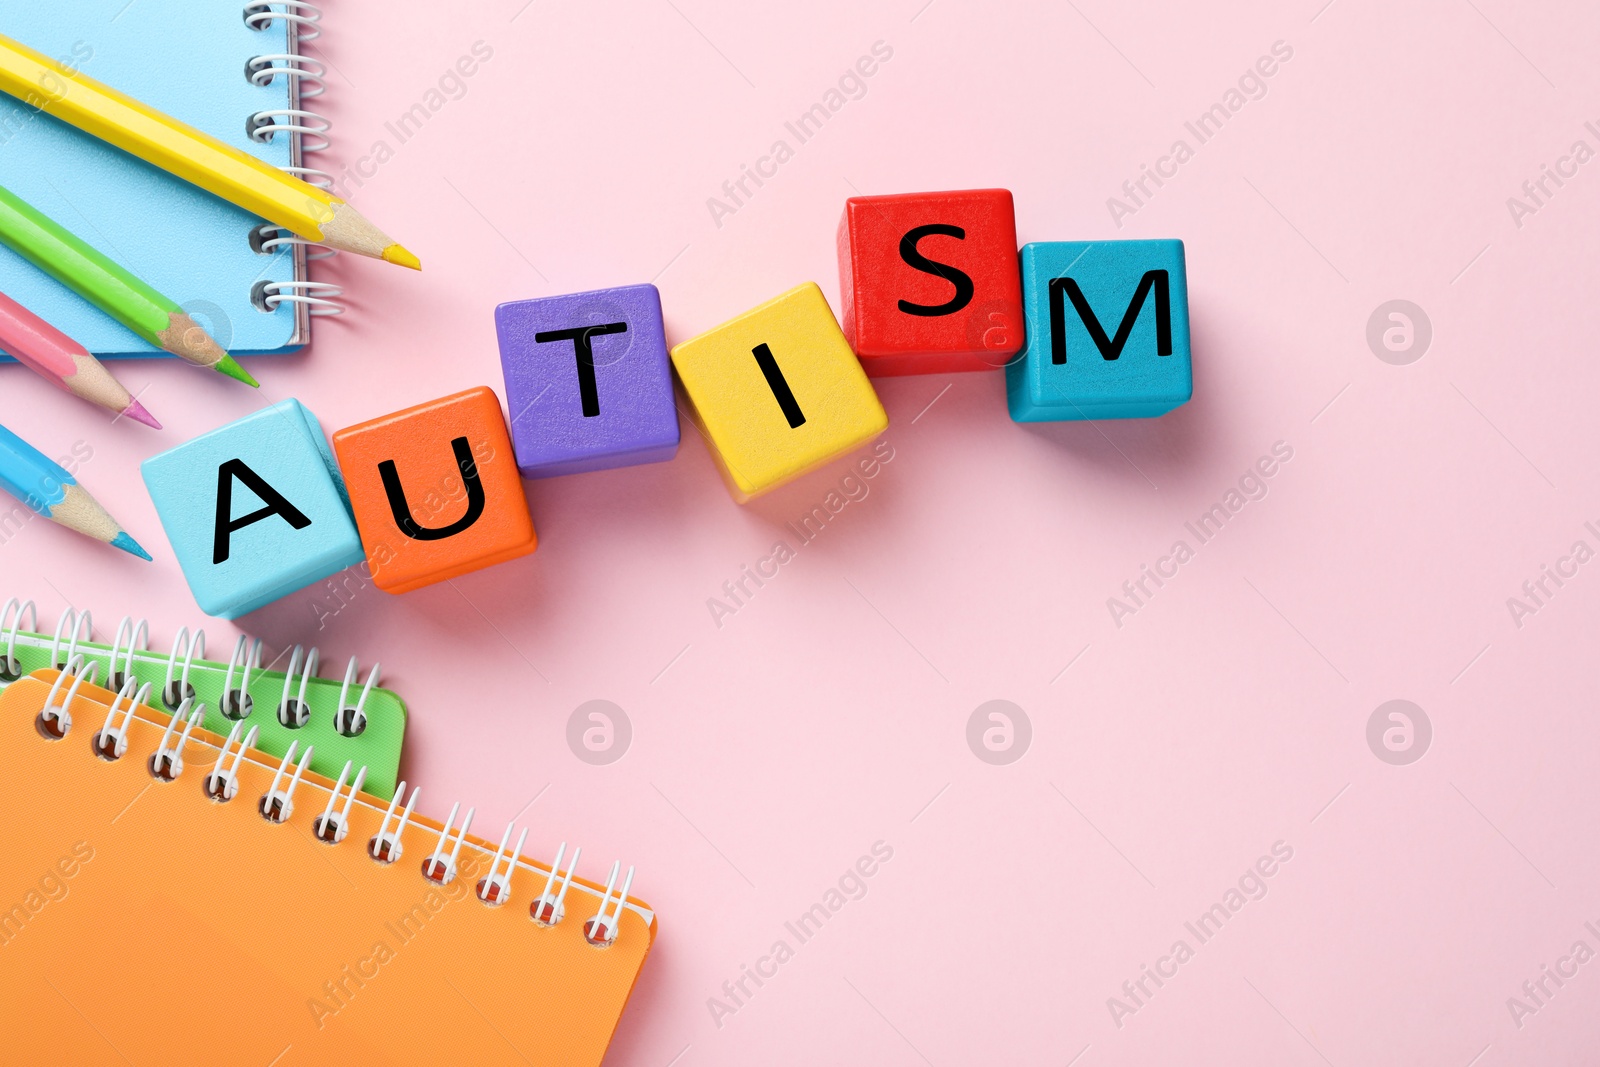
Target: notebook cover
(188, 59)
(377, 747)
(144, 923)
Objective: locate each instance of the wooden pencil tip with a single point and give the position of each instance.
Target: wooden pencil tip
(189, 341)
(400, 255)
(137, 413)
(349, 231)
(81, 512)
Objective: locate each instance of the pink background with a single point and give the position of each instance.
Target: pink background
(830, 712)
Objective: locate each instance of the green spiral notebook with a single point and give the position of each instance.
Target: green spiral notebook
(340, 720)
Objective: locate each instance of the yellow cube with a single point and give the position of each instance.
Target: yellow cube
(778, 392)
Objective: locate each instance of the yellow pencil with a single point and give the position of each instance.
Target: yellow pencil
(196, 157)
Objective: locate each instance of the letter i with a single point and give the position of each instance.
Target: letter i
(779, 386)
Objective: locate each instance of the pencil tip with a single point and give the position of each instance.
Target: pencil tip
(400, 255)
(230, 366)
(130, 546)
(136, 412)
(189, 341)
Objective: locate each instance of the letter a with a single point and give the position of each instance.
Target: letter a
(227, 524)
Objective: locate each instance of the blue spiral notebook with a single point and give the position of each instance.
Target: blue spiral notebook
(228, 67)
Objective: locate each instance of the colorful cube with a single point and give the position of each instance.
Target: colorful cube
(587, 381)
(1108, 332)
(929, 281)
(778, 392)
(255, 510)
(435, 490)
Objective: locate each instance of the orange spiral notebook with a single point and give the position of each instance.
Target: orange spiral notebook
(164, 900)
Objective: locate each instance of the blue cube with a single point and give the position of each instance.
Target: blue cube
(1108, 332)
(255, 510)
(588, 381)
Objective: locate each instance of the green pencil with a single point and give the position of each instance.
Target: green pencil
(110, 287)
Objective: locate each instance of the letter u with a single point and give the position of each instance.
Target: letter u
(402, 510)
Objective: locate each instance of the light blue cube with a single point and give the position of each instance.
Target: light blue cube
(255, 510)
(1108, 332)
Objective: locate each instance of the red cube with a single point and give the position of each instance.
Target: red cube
(930, 282)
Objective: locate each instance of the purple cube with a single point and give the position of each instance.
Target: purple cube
(588, 381)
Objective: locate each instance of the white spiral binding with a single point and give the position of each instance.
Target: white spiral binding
(331, 827)
(278, 804)
(384, 846)
(166, 765)
(56, 720)
(138, 636)
(548, 908)
(602, 929)
(294, 712)
(222, 784)
(186, 648)
(131, 644)
(82, 630)
(269, 238)
(111, 743)
(11, 668)
(351, 719)
(309, 74)
(237, 702)
(328, 826)
(308, 131)
(495, 888)
(436, 866)
(317, 298)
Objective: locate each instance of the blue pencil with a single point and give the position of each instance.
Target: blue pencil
(49, 491)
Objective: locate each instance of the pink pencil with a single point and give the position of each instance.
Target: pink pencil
(60, 359)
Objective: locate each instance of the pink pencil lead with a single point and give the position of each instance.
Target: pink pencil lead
(136, 411)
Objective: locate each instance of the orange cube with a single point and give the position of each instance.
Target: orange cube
(435, 490)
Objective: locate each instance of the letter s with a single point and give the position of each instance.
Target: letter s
(917, 261)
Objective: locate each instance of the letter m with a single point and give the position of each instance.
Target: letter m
(1110, 348)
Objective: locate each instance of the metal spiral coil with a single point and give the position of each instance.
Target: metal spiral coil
(308, 131)
(331, 827)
